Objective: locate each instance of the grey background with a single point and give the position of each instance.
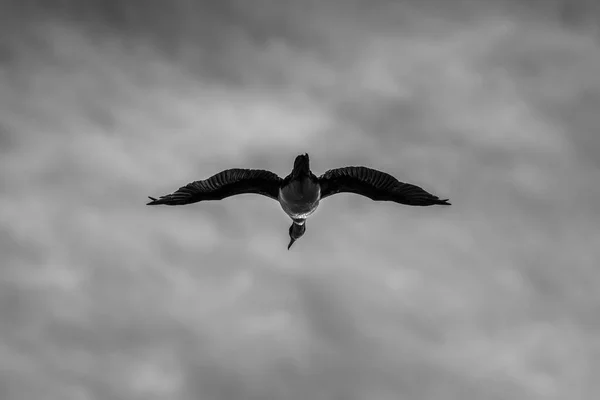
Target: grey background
(495, 104)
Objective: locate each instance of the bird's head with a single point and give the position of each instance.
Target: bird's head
(301, 166)
(296, 231)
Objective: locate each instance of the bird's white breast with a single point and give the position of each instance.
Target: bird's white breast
(300, 199)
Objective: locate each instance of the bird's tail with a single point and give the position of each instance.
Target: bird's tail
(301, 165)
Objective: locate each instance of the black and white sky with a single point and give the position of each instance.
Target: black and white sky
(494, 104)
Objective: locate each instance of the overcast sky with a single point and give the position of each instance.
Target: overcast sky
(494, 104)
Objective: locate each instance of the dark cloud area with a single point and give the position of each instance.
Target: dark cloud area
(493, 104)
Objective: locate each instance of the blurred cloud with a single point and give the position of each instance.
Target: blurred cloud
(492, 104)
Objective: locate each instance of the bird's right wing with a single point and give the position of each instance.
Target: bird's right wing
(224, 184)
(375, 185)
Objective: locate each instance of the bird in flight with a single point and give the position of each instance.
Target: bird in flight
(300, 192)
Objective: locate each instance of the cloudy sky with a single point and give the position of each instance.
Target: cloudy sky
(494, 104)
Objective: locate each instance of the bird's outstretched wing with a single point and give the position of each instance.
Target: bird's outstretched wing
(375, 185)
(224, 184)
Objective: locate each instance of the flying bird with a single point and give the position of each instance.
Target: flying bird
(300, 192)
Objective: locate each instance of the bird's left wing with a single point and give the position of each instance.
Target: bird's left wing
(375, 185)
(224, 184)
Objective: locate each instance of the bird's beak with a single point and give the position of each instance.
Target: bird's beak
(291, 243)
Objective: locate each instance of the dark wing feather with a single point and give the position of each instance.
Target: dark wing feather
(224, 184)
(375, 185)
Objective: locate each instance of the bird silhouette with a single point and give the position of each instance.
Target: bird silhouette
(300, 192)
